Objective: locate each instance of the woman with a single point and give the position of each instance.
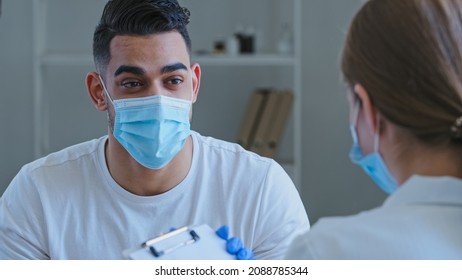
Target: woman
(403, 63)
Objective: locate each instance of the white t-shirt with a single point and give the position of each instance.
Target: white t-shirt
(421, 220)
(67, 205)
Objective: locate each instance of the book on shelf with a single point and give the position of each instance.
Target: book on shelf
(265, 120)
(279, 122)
(251, 117)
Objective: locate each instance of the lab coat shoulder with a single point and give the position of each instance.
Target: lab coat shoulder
(347, 237)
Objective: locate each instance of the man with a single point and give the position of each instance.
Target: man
(95, 199)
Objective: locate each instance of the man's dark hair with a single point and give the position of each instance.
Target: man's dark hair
(137, 17)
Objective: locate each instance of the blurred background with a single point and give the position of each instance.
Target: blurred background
(241, 45)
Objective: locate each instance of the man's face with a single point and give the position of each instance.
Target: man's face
(142, 66)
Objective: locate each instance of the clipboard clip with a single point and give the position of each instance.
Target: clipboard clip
(150, 243)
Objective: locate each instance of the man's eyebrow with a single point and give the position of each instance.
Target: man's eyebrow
(129, 69)
(173, 67)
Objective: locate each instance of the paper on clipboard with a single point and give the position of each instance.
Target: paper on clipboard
(187, 243)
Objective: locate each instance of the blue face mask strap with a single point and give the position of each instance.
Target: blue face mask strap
(110, 99)
(105, 90)
(354, 121)
(377, 135)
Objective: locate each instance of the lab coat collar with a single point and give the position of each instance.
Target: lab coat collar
(418, 189)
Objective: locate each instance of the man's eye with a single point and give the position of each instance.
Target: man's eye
(175, 81)
(131, 84)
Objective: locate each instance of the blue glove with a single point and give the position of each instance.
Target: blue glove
(223, 232)
(245, 254)
(234, 245)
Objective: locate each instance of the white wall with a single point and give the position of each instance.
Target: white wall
(16, 111)
(331, 185)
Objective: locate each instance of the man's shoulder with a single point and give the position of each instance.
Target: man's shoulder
(69, 155)
(226, 148)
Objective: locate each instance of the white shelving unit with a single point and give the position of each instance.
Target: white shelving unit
(262, 60)
(49, 61)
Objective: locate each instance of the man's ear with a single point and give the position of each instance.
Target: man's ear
(95, 91)
(367, 108)
(196, 80)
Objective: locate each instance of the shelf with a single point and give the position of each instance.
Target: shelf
(76, 59)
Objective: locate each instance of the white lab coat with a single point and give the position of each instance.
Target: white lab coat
(421, 220)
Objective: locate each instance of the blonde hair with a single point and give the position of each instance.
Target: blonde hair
(407, 54)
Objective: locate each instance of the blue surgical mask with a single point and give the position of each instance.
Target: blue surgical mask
(152, 129)
(372, 164)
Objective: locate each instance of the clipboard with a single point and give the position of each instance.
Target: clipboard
(186, 243)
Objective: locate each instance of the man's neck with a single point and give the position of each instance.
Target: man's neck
(142, 181)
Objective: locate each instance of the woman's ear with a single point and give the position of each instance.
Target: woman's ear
(367, 108)
(95, 91)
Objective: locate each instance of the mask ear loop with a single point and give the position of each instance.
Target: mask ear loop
(377, 135)
(191, 101)
(110, 100)
(105, 90)
(354, 121)
(192, 97)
